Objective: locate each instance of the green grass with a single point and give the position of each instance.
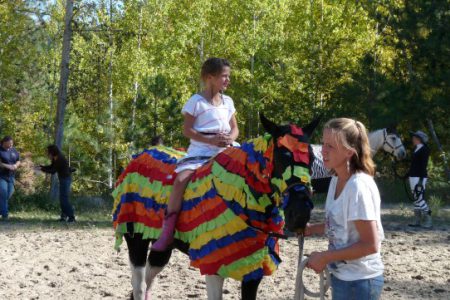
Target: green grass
(38, 211)
(40, 219)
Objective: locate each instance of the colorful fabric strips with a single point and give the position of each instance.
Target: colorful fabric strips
(298, 149)
(228, 211)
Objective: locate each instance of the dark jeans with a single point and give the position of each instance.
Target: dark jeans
(64, 193)
(6, 191)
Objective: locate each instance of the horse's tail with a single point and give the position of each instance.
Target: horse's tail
(141, 193)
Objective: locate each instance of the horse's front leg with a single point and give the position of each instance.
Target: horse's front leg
(214, 286)
(155, 264)
(137, 252)
(249, 289)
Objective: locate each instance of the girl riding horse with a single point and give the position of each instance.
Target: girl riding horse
(233, 211)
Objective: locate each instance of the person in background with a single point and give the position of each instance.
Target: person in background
(352, 215)
(157, 140)
(60, 166)
(418, 178)
(9, 162)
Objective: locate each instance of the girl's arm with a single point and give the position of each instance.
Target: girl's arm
(367, 244)
(234, 129)
(312, 229)
(49, 169)
(7, 166)
(190, 132)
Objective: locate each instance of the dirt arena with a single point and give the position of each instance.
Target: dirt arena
(61, 262)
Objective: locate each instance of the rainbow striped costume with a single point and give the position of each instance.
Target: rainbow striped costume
(230, 207)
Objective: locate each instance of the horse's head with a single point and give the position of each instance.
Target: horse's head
(393, 143)
(292, 160)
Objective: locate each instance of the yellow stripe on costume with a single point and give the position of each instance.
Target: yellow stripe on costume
(233, 226)
(160, 196)
(244, 266)
(229, 192)
(260, 144)
(198, 191)
(268, 262)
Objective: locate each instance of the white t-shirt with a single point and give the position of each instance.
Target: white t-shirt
(359, 200)
(208, 118)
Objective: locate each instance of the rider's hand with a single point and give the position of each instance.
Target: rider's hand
(308, 230)
(221, 140)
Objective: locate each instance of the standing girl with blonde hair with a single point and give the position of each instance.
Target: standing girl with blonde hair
(352, 221)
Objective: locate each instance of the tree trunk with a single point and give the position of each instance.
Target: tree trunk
(136, 85)
(111, 101)
(62, 90)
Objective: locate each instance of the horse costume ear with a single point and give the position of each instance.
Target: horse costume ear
(269, 126)
(309, 129)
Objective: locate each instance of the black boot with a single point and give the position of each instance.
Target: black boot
(417, 217)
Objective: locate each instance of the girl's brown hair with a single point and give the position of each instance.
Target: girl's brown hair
(213, 66)
(352, 135)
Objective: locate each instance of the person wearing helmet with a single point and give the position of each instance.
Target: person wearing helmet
(418, 178)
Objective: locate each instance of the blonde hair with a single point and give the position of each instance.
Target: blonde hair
(352, 135)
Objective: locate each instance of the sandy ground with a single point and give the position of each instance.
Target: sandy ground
(80, 263)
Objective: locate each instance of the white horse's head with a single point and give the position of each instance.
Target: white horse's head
(388, 140)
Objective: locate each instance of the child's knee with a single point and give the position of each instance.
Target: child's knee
(183, 178)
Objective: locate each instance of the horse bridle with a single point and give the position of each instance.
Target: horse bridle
(291, 186)
(386, 142)
(285, 193)
(394, 162)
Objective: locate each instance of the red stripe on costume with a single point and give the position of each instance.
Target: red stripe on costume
(257, 185)
(205, 205)
(218, 255)
(238, 253)
(133, 218)
(136, 212)
(237, 154)
(231, 165)
(202, 172)
(145, 164)
(203, 218)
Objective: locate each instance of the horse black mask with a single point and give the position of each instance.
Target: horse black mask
(293, 158)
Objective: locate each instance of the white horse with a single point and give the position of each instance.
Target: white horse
(386, 139)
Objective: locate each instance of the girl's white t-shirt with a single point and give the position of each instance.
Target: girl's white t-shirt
(208, 119)
(359, 200)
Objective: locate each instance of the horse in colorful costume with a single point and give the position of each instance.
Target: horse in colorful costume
(234, 208)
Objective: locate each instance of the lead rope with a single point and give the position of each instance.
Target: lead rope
(300, 289)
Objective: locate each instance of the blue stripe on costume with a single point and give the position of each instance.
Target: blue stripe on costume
(252, 214)
(255, 275)
(191, 203)
(149, 203)
(214, 244)
(254, 156)
(158, 155)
